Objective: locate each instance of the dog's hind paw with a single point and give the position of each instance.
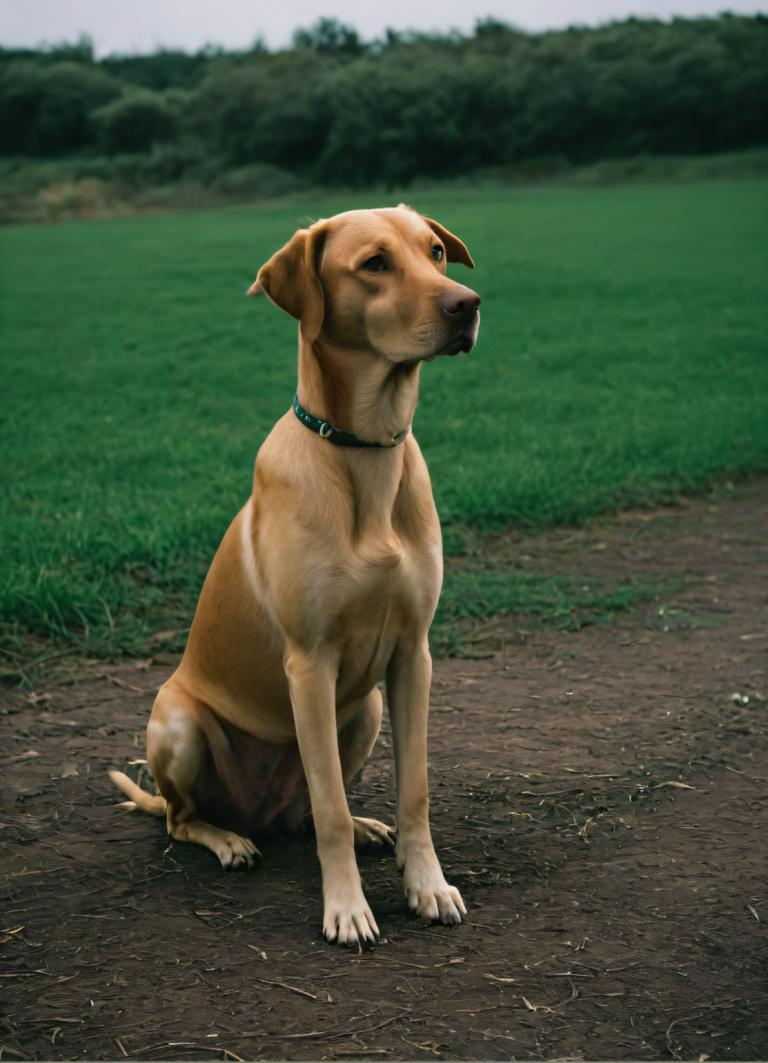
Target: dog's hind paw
(236, 853)
(372, 832)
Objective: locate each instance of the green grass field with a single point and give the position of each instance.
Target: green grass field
(622, 360)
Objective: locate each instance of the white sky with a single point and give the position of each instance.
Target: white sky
(143, 25)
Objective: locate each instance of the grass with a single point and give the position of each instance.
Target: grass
(622, 360)
(473, 595)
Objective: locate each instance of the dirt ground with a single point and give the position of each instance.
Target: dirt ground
(599, 797)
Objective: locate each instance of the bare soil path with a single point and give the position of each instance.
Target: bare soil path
(600, 797)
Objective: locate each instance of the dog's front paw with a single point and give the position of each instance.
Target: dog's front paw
(432, 898)
(348, 920)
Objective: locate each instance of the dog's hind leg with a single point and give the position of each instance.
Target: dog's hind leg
(356, 740)
(183, 736)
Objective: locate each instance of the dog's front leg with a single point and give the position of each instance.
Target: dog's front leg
(408, 681)
(312, 679)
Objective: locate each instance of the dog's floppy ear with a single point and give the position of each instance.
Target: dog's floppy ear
(455, 249)
(291, 280)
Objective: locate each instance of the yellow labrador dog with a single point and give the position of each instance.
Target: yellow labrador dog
(327, 579)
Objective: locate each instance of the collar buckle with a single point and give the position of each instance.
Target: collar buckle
(336, 435)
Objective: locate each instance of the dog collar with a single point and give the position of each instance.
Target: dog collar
(336, 436)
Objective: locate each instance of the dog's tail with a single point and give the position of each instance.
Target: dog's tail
(138, 798)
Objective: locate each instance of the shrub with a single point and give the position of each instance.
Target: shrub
(259, 181)
(83, 198)
(136, 121)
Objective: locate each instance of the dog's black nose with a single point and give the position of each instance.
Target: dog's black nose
(460, 303)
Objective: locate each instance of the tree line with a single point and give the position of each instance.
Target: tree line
(332, 108)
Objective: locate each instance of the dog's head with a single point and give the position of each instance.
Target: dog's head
(374, 280)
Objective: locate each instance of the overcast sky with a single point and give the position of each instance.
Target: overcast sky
(143, 25)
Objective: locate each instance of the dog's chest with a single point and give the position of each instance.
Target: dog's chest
(390, 593)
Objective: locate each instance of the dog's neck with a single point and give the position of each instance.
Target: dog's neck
(375, 399)
(357, 391)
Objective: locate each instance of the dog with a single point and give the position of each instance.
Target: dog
(327, 580)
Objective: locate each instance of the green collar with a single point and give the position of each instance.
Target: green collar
(336, 435)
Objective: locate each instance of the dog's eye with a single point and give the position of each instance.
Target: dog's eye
(437, 253)
(374, 265)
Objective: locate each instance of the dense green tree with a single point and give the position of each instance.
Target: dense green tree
(79, 52)
(267, 110)
(46, 110)
(337, 109)
(330, 36)
(163, 69)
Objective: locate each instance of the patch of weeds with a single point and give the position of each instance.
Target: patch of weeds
(476, 596)
(669, 618)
